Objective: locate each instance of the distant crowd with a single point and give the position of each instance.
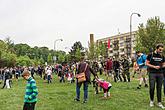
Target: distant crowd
(150, 67)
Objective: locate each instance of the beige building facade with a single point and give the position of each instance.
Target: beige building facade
(120, 45)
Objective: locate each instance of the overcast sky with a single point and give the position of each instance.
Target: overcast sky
(41, 22)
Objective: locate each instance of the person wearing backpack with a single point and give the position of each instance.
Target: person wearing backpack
(142, 68)
(155, 62)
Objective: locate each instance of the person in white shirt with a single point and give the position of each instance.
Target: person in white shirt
(49, 74)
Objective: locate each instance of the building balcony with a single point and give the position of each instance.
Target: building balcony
(128, 40)
(115, 42)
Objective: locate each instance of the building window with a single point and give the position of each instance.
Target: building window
(121, 44)
(121, 38)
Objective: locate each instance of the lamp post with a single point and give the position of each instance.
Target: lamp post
(54, 57)
(55, 43)
(131, 27)
(131, 22)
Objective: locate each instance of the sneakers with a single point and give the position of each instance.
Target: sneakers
(151, 103)
(85, 101)
(160, 105)
(146, 85)
(139, 87)
(76, 99)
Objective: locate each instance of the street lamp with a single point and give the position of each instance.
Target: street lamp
(131, 22)
(55, 42)
(131, 26)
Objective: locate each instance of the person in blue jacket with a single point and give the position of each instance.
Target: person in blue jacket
(141, 62)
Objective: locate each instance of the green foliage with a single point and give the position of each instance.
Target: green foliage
(61, 58)
(67, 58)
(102, 49)
(50, 60)
(6, 57)
(41, 61)
(76, 50)
(24, 55)
(21, 49)
(150, 35)
(10, 45)
(24, 61)
(78, 54)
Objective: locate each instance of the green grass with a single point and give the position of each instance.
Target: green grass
(57, 96)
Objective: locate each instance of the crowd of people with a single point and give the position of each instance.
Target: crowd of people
(117, 69)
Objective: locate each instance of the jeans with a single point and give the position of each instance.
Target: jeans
(62, 79)
(117, 76)
(155, 78)
(49, 79)
(78, 86)
(126, 73)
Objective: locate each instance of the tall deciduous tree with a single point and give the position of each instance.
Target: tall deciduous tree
(50, 59)
(150, 35)
(78, 54)
(76, 48)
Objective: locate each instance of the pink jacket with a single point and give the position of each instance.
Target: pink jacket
(104, 84)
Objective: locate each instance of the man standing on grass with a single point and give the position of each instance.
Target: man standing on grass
(30, 98)
(155, 62)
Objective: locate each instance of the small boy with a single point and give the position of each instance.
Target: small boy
(31, 93)
(106, 87)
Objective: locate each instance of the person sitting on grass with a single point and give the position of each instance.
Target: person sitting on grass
(106, 87)
(30, 98)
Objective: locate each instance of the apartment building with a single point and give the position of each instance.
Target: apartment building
(120, 45)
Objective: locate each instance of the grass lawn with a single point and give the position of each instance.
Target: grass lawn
(59, 96)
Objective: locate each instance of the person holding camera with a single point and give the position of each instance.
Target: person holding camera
(155, 62)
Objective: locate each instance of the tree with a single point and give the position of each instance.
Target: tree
(6, 57)
(22, 49)
(102, 49)
(78, 54)
(61, 58)
(10, 44)
(76, 45)
(50, 58)
(24, 61)
(97, 51)
(150, 35)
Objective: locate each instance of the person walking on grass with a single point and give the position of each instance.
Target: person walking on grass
(49, 75)
(109, 67)
(141, 62)
(126, 73)
(155, 62)
(30, 98)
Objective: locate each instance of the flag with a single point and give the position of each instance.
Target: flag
(108, 44)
